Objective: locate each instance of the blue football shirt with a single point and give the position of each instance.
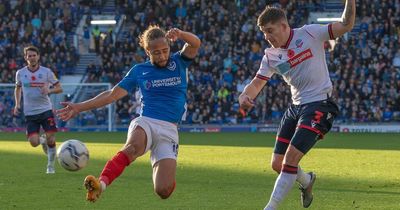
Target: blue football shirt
(163, 89)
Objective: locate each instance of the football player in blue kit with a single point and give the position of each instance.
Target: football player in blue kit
(163, 83)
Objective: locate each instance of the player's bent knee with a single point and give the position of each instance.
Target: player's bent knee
(164, 192)
(276, 166)
(34, 141)
(34, 144)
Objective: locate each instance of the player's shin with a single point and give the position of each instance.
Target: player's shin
(113, 169)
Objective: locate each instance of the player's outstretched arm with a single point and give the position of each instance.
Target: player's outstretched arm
(348, 19)
(70, 110)
(246, 99)
(192, 44)
(55, 90)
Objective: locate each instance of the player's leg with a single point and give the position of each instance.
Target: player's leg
(164, 153)
(50, 128)
(302, 142)
(285, 132)
(314, 123)
(285, 158)
(290, 169)
(135, 146)
(164, 177)
(32, 132)
(302, 177)
(284, 135)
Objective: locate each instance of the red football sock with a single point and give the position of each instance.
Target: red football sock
(114, 168)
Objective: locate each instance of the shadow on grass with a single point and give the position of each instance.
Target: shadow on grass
(24, 185)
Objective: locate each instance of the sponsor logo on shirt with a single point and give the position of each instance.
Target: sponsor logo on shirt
(299, 58)
(33, 84)
(172, 81)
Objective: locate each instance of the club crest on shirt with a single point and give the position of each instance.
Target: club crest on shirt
(40, 76)
(280, 56)
(147, 84)
(171, 66)
(299, 43)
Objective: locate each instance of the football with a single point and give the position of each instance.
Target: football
(72, 155)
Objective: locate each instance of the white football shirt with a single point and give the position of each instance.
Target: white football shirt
(31, 81)
(302, 64)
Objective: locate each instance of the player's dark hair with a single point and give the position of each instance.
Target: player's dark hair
(31, 48)
(271, 15)
(153, 32)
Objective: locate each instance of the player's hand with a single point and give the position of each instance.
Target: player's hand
(16, 110)
(45, 90)
(69, 111)
(245, 102)
(173, 34)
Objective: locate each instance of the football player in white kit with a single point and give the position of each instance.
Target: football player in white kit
(298, 56)
(34, 82)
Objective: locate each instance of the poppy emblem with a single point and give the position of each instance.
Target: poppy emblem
(290, 53)
(33, 78)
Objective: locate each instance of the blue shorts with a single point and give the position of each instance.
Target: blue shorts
(45, 119)
(302, 125)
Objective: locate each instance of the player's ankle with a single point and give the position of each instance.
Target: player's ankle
(103, 186)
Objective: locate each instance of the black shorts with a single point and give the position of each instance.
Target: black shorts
(45, 119)
(302, 125)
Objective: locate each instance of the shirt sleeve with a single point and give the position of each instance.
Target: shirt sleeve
(183, 59)
(18, 79)
(51, 77)
(129, 82)
(320, 32)
(265, 71)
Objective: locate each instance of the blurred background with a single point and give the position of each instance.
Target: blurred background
(89, 58)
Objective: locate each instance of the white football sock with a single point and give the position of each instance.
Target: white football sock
(42, 140)
(51, 156)
(283, 185)
(303, 178)
(103, 186)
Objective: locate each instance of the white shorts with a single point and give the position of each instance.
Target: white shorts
(162, 138)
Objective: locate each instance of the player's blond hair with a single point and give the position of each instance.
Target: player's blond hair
(31, 48)
(153, 32)
(271, 15)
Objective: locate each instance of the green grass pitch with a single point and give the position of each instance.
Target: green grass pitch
(215, 171)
